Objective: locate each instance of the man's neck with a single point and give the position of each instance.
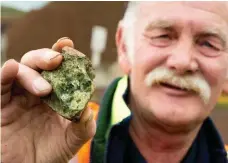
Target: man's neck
(157, 145)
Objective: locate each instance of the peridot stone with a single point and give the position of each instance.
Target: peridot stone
(72, 84)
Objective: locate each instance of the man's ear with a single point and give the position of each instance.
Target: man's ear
(225, 87)
(123, 58)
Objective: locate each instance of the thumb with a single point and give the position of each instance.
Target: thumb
(78, 133)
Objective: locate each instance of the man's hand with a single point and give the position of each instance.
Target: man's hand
(31, 131)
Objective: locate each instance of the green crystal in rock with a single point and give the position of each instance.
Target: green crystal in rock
(72, 84)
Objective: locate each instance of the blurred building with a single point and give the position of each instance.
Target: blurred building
(8, 16)
(41, 28)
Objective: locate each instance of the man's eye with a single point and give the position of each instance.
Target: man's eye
(165, 36)
(209, 45)
(159, 39)
(209, 48)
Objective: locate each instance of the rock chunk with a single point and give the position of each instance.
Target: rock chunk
(72, 84)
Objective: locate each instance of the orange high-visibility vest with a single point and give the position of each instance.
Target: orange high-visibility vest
(226, 147)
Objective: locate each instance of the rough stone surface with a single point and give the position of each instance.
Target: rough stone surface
(72, 84)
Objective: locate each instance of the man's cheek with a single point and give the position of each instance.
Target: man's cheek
(213, 70)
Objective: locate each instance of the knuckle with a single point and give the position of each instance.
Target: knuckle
(26, 56)
(45, 49)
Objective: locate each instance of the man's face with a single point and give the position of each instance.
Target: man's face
(186, 39)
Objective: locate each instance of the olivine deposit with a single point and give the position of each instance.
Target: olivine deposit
(72, 84)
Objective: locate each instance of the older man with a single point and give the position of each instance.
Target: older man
(176, 57)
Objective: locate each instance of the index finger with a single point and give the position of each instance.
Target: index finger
(8, 74)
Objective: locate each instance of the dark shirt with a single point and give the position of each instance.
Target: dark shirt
(205, 148)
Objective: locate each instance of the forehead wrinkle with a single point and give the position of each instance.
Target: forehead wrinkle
(220, 7)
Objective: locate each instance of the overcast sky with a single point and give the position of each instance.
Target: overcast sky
(24, 5)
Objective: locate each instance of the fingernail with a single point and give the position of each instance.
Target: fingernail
(41, 85)
(63, 38)
(90, 117)
(49, 55)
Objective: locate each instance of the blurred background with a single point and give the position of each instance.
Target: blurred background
(32, 25)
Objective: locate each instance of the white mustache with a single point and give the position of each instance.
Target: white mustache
(193, 82)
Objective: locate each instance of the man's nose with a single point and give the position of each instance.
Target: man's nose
(182, 58)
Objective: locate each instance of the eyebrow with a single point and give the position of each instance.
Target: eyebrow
(207, 31)
(160, 23)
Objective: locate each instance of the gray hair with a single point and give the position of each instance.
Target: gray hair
(128, 25)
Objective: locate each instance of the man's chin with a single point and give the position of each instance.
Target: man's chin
(176, 121)
(176, 111)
